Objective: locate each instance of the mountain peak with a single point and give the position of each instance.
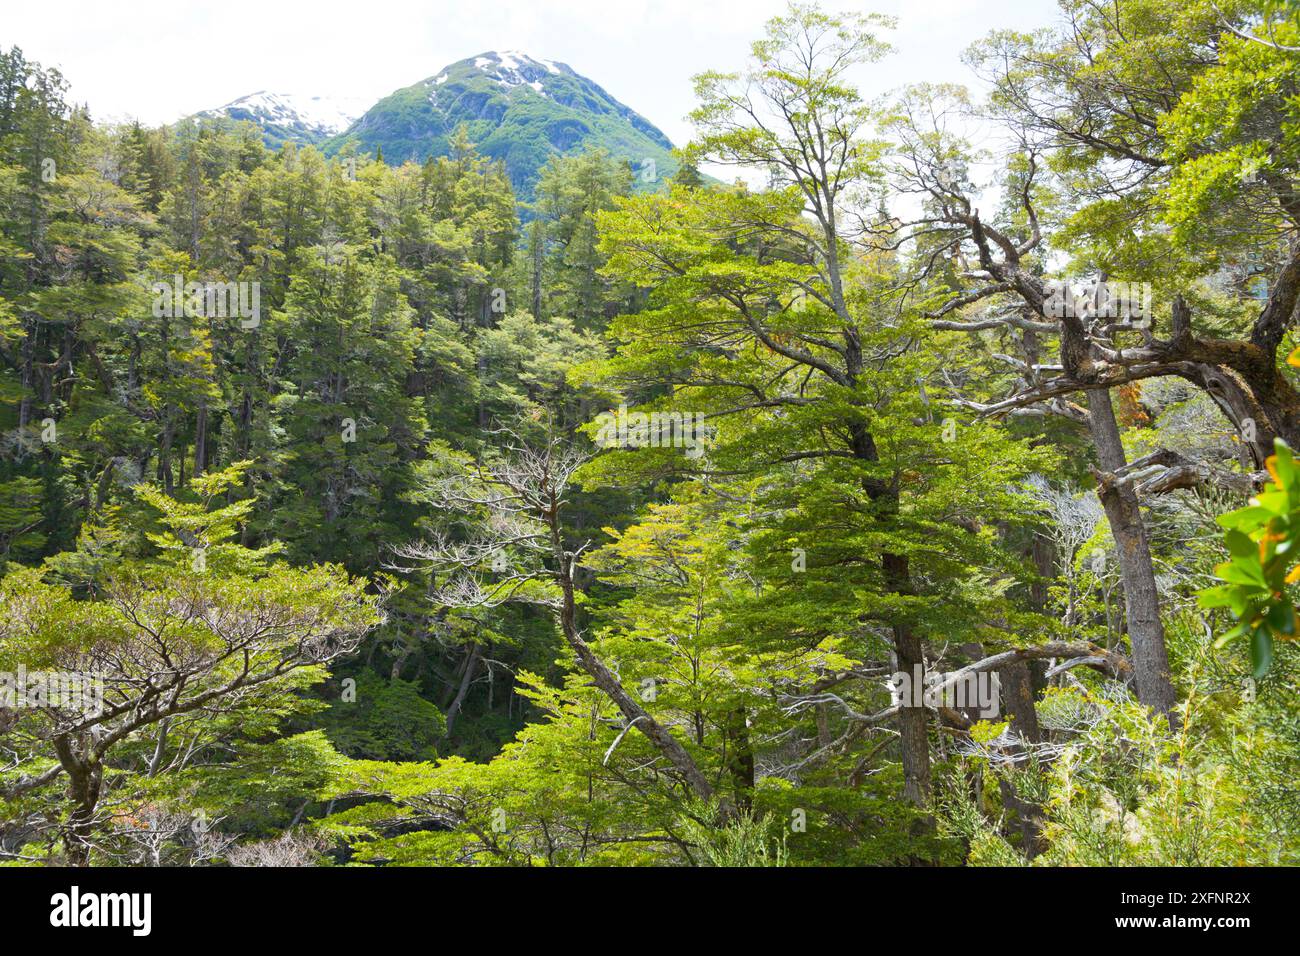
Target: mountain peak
(293, 116)
(507, 68)
(507, 62)
(517, 108)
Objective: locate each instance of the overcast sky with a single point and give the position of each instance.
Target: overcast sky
(162, 59)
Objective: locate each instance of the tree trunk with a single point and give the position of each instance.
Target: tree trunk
(605, 680)
(471, 668)
(85, 778)
(165, 476)
(1141, 600)
(913, 722)
(1018, 700)
(201, 441)
(740, 758)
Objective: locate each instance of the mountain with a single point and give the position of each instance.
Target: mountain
(289, 117)
(517, 109)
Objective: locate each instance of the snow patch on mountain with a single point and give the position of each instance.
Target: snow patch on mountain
(321, 115)
(512, 68)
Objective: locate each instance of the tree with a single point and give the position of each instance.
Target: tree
(520, 554)
(764, 321)
(351, 431)
(1191, 184)
(200, 628)
(566, 260)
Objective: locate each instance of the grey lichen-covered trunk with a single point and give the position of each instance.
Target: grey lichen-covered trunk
(1141, 601)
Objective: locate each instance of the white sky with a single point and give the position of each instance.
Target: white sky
(158, 60)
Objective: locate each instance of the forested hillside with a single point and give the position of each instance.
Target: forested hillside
(932, 503)
(516, 109)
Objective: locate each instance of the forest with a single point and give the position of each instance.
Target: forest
(901, 477)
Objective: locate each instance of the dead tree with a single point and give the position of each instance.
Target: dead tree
(518, 553)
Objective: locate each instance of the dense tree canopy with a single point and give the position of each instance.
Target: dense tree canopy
(930, 503)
